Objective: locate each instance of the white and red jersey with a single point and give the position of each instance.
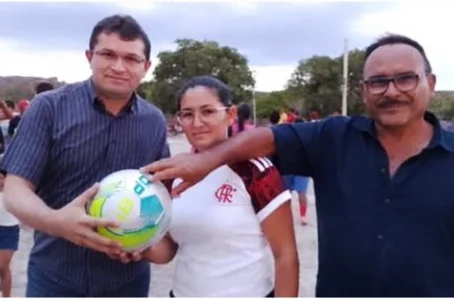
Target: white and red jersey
(222, 249)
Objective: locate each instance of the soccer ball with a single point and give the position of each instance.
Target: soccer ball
(142, 209)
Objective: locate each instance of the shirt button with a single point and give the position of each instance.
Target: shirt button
(380, 237)
(387, 200)
(383, 170)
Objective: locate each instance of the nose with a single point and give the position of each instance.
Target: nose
(197, 120)
(392, 90)
(118, 66)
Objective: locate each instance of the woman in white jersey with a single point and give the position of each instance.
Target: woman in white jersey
(9, 240)
(224, 227)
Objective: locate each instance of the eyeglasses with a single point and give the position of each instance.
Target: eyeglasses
(206, 115)
(112, 57)
(403, 83)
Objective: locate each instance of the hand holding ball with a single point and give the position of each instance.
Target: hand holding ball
(141, 207)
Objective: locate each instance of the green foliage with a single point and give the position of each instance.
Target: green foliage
(318, 81)
(193, 58)
(443, 105)
(267, 102)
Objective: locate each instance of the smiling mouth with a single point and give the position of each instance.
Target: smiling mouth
(116, 78)
(199, 134)
(392, 106)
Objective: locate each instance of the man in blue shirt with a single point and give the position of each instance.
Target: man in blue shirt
(69, 139)
(384, 184)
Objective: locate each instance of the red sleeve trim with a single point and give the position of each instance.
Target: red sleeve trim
(262, 180)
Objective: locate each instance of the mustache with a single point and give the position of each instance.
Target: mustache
(390, 102)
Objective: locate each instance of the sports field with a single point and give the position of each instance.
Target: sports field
(162, 275)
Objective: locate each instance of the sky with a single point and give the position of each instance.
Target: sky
(49, 39)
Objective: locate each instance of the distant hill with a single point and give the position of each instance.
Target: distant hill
(18, 87)
(445, 94)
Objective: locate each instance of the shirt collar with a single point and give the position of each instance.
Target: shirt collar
(131, 107)
(439, 138)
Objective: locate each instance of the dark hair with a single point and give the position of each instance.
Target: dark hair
(393, 39)
(244, 113)
(313, 114)
(10, 104)
(125, 26)
(42, 87)
(274, 117)
(299, 120)
(222, 90)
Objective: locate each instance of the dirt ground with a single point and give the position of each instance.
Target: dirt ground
(162, 275)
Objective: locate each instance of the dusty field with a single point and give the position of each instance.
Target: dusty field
(162, 275)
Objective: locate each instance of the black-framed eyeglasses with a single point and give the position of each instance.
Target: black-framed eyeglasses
(403, 83)
(110, 57)
(206, 114)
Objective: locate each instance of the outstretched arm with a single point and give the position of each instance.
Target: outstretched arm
(250, 144)
(295, 147)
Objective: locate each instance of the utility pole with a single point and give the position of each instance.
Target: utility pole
(345, 79)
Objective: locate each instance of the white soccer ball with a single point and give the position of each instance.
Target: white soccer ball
(141, 207)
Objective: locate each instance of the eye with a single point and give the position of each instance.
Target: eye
(378, 82)
(132, 60)
(208, 111)
(406, 79)
(107, 55)
(186, 114)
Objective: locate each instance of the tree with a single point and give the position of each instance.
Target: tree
(145, 89)
(267, 102)
(317, 82)
(442, 104)
(194, 58)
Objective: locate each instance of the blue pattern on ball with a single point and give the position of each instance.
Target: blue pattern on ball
(151, 210)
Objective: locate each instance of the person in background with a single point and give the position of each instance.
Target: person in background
(22, 106)
(282, 116)
(7, 111)
(292, 115)
(313, 115)
(274, 117)
(67, 141)
(9, 242)
(336, 112)
(43, 87)
(223, 228)
(243, 121)
(299, 184)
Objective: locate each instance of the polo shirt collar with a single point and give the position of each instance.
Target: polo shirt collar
(439, 138)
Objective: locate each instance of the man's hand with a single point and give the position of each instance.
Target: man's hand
(191, 168)
(73, 224)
